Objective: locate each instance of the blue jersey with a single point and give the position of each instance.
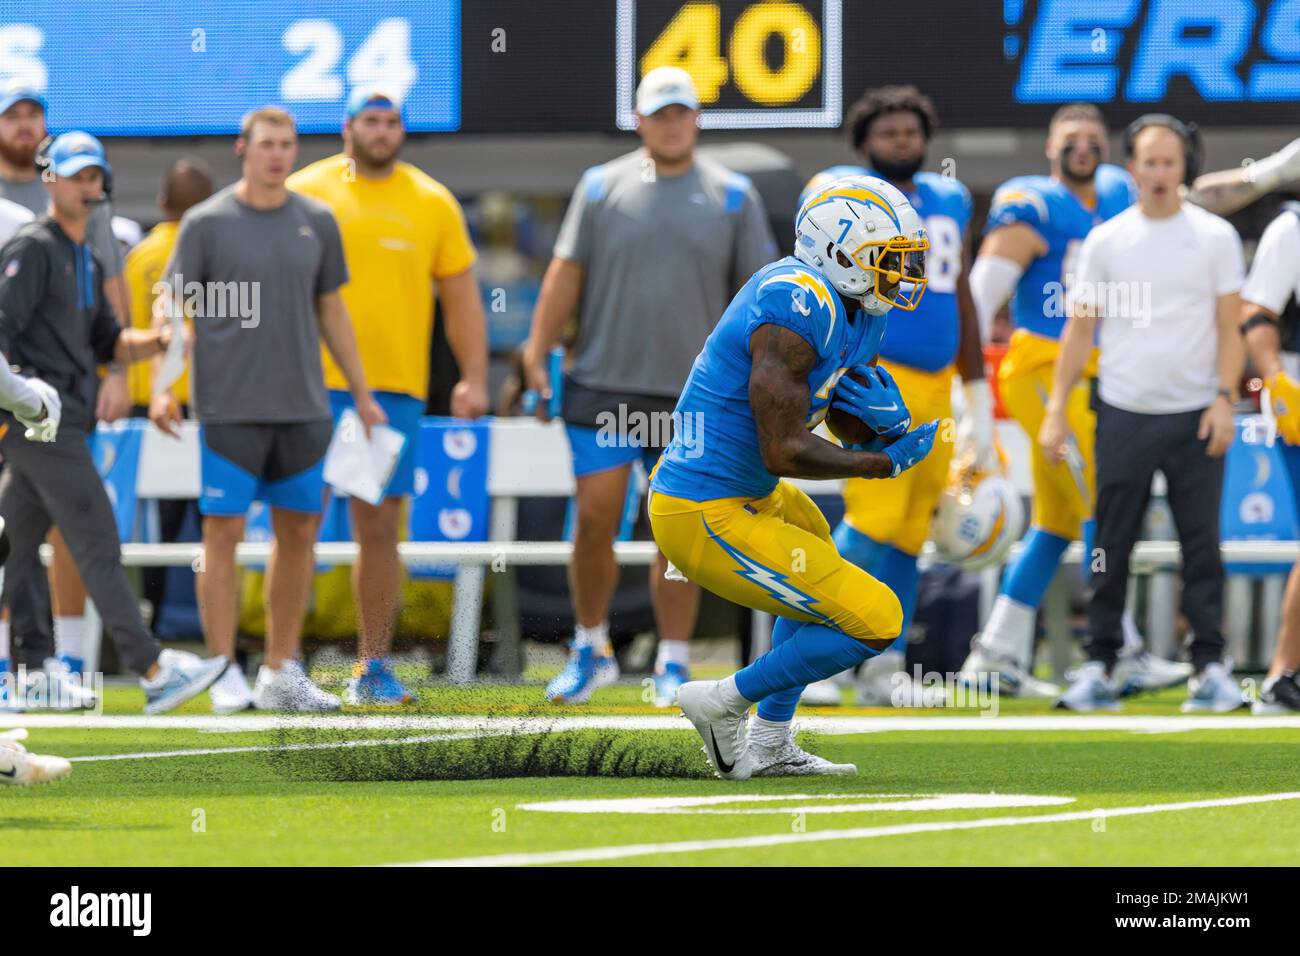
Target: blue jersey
(1056, 214)
(714, 452)
(927, 339)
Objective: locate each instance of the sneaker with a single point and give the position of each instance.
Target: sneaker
(57, 687)
(824, 693)
(181, 676)
(1090, 690)
(231, 694)
(374, 684)
(289, 688)
(21, 768)
(983, 666)
(725, 733)
(788, 759)
(585, 674)
(1139, 671)
(667, 682)
(1279, 695)
(1214, 690)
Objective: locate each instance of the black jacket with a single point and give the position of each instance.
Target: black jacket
(55, 322)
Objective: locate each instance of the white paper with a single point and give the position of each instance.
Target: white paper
(173, 363)
(361, 467)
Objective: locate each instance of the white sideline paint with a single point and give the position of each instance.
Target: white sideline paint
(235, 723)
(880, 801)
(822, 836)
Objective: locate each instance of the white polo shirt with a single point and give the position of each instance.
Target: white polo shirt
(1156, 284)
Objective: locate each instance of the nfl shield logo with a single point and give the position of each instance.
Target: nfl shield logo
(11, 269)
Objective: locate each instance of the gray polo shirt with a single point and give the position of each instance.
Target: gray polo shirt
(99, 230)
(256, 339)
(662, 257)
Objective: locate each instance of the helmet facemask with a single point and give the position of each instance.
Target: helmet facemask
(898, 268)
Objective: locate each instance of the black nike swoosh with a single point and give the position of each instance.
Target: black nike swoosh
(717, 755)
(9, 773)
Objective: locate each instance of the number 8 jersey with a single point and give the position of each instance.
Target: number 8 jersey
(927, 338)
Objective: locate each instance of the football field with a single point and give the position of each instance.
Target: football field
(489, 775)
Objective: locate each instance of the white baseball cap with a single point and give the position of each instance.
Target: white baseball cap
(664, 86)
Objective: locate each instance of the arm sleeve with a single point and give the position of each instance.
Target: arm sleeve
(23, 272)
(1230, 262)
(333, 269)
(454, 250)
(103, 242)
(1089, 272)
(1275, 273)
(574, 242)
(105, 329)
(754, 246)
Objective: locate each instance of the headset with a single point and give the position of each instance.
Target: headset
(42, 162)
(1189, 133)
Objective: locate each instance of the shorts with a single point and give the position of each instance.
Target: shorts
(595, 449)
(282, 464)
(612, 430)
(404, 413)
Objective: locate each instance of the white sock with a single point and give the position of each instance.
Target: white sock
(4, 641)
(1133, 643)
(70, 636)
(732, 698)
(768, 733)
(1010, 629)
(597, 637)
(672, 652)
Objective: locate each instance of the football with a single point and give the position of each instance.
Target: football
(850, 429)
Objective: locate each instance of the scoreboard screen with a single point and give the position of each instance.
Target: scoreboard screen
(160, 68)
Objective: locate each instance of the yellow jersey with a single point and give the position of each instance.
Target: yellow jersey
(143, 269)
(400, 234)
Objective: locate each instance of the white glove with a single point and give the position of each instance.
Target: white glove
(975, 433)
(43, 429)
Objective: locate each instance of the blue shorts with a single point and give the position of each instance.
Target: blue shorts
(282, 464)
(404, 414)
(592, 452)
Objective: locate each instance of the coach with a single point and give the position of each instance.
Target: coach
(652, 247)
(1163, 279)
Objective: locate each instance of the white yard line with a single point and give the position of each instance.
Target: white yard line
(595, 854)
(534, 724)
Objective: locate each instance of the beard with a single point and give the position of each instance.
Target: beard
(372, 159)
(17, 155)
(896, 171)
(1068, 152)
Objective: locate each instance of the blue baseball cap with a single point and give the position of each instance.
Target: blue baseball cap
(365, 98)
(20, 94)
(72, 152)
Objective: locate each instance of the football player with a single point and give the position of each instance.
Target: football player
(1034, 230)
(766, 377)
(886, 525)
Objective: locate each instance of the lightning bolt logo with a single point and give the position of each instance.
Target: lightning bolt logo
(776, 584)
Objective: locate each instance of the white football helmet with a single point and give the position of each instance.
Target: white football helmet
(980, 516)
(863, 235)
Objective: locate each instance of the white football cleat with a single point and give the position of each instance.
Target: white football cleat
(823, 693)
(984, 666)
(788, 759)
(289, 688)
(725, 732)
(1214, 690)
(1139, 671)
(21, 768)
(231, 693)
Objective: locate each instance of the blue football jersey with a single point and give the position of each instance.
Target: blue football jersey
(1055, 213)
(714, 452)
(927, 338)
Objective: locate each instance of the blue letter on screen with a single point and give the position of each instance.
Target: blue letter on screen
(1072, 50)
(1280, 40)
(1166, 49)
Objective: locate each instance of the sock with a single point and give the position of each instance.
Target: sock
(736, 702)
(814, 653)
(1010, 629)
(1027, 580)
(768, 733)
(597, 637)
(1133, 642)
(672, 652)
(779, 707)
(899, 571)
(70, 637)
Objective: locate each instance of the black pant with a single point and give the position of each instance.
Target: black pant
(1130, 449)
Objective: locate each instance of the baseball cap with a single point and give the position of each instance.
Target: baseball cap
(365, 98)
(18, 94)
(663, 86)
(72, 152)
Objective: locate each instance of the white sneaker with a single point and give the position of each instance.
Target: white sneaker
(181, 676)
(984, 666)
(824, 693)
(725, 732)
(1139, 671)
(875, 683)
(231, 693)
(788, 759)
(289, 688)
(1090, 690)
(21, 768)
(56, 687)
(1214, 690)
